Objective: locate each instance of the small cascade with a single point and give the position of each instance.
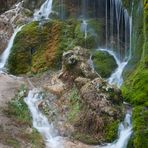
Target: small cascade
(116, 77)
(5, 54)
(44, 11)
(40, 121)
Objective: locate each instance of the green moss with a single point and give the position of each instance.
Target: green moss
(111, 131)
(104, 63)
(39, 47)
(74, 105)
(140, 126)
(135, 89)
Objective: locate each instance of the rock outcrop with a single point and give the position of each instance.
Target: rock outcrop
(77, 62)
(98, 109)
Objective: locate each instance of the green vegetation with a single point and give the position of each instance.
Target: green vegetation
(18, 108)
(140, 126)
(111, 131)
(39, 47)
(74, 105)
(104, 63)
(135, 89)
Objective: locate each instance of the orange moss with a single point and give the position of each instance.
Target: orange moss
(53, 43)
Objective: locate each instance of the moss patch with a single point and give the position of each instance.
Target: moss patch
(104, 63)
(74, 105)
(140, 126)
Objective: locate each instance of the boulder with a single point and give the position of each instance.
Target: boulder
(100, 113)
(77, 63)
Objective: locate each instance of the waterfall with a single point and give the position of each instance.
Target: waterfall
(118, 36)
(44, 11)
(40, 121)
(5, 54)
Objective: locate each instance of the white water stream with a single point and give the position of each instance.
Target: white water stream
(5, 54)
(44, 11)
(40, 121)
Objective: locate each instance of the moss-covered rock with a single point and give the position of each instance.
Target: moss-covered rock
(104, 63)
(39, 47)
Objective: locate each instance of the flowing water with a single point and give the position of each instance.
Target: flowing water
(5, 54)
(44, 11)
(40, 121)
(116, 77)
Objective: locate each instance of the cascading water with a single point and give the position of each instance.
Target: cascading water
(5, 54)
(117, 28)
(44, 11)
(40, 121)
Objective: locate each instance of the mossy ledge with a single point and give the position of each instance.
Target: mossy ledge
(39, 47)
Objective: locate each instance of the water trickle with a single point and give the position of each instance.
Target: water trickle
(40, 121)
(84, 28)
(5, 54)
(44, 11)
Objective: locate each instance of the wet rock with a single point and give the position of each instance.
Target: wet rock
(55, 86)
(101, 97)
(101, 111)
(29, 130)
(80, 81)
(76, 63)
